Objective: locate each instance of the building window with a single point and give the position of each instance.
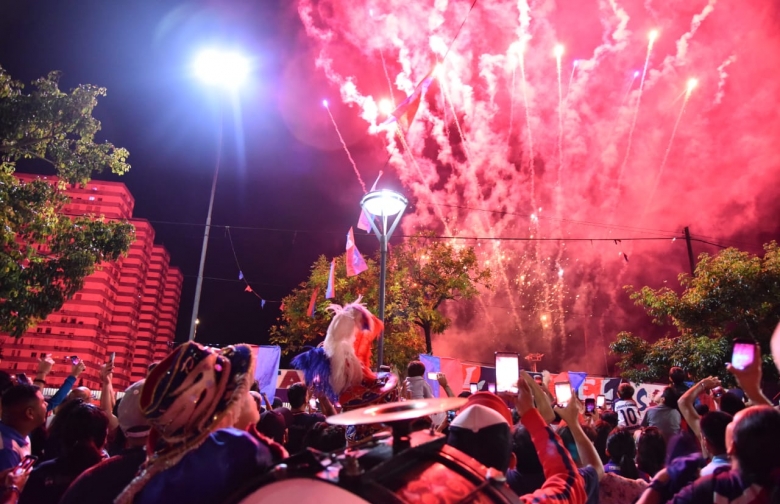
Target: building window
(78, 296)
(38, 330)
(34, 354)
(48, 330)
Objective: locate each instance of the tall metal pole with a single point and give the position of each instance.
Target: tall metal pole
(199, 284)
(690, 251)
(382, 275)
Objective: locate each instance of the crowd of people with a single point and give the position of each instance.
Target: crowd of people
(198, 428)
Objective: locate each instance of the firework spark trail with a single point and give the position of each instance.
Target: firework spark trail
(652, 37)
(387, 76)
(448, 98)
(532, 175)
(344, 144)
(596, 138)
(571, 78)
(559, 191)
(558, 54)
(689, 89)
(722, 76)
(498, 255)
(630, 87)
(512, 102)
(436, 207)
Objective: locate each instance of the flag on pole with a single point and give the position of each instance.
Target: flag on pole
(364, 221)
(355, 262)
(313, 303)
(576, 379)
(330, 291)
(267, 368)
(405, 112)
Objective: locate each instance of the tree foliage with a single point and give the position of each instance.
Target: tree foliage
(422, 273)
(733, 294)
(57, 128)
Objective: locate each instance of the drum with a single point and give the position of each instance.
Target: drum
(428, 471)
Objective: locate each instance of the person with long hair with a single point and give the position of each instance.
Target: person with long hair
(651, 450)
(622, 452)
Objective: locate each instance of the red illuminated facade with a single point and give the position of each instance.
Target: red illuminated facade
(128, 307)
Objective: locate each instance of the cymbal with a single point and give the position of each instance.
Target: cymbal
(395, 411)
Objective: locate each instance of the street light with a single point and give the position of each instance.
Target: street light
(383, 204)
(227, 70)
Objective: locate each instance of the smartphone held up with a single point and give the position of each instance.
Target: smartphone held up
(563, 393)
(743, 354)
(507, 372)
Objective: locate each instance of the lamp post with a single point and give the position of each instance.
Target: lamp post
(383, 204)
(228, 70)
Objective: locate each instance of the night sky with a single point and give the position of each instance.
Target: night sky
(142, 52)
(283, 167)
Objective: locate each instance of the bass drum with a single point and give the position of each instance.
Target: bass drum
(431, 472)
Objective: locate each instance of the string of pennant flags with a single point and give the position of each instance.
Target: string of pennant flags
(247, 287)
(355, 263)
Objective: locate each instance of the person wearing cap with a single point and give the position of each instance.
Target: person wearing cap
(482, 430)
(198, 404)
(104, 482)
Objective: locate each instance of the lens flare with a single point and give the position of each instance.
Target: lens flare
(385, 107)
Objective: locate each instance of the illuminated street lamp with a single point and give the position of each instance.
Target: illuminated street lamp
(227, 70)
(383, 204)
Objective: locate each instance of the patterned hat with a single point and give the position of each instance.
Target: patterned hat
(189, 392)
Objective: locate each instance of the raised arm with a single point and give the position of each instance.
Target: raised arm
(588, 454)
(67, 385)
(750, 379)
(107, 394)
(562, 481)
(541, 399)
(442, 379)
(685, 403)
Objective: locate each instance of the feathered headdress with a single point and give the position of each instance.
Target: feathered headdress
(342, 362)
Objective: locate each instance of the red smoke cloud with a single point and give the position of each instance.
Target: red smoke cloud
(504, 176)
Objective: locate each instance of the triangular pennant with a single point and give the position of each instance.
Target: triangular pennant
(240, 275)
(330, 291)
(576, 379)
(248, 289)
(313, 302)
(364, 221)
(405, 112)
(355, 262)
(262, 303)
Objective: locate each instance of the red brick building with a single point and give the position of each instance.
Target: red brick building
(128, 307)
